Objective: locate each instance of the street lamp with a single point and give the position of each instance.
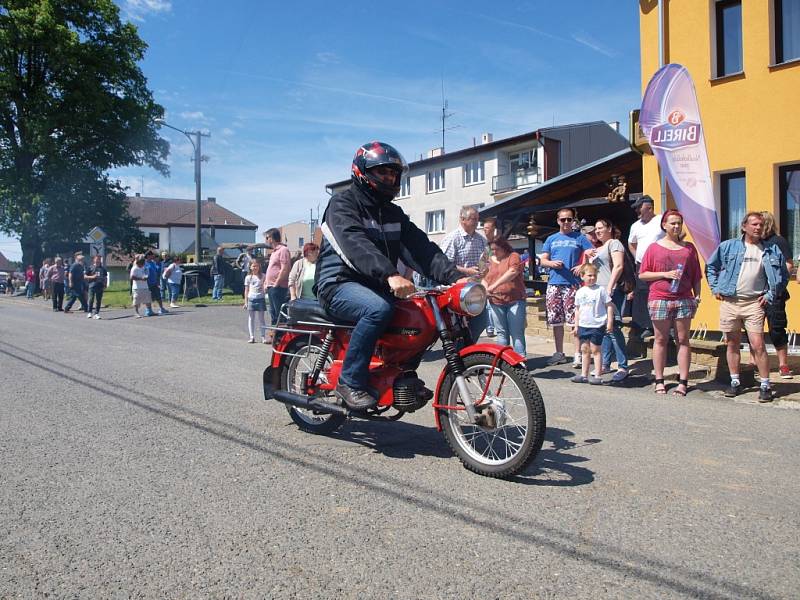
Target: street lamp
(198, 158)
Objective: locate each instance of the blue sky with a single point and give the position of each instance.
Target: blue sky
(289, 90)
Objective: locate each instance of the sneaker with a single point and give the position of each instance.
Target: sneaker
(356, 399)
(786, 372)
(595, 381)
(733, 391)
(577, 365)
(490, 332)
(148, 313)
(251, 341)
(579, 379)
(164, 311)
(88, 315)
(557, 359)
(765, 395)
(138, 316)
(173, 305)
(97, 316)
(619, 376)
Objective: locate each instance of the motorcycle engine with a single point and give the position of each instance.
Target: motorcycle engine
(410, 392)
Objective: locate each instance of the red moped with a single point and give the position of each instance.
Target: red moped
(486, 402)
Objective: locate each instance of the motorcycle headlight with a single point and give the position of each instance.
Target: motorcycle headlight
(472, 299)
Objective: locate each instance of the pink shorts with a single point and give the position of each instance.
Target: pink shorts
(560, 303)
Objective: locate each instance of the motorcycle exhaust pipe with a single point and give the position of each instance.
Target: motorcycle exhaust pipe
(309, 403)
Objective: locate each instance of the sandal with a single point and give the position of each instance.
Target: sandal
(681, 392)
(660, 387)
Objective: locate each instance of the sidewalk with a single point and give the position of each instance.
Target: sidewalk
(641, 369)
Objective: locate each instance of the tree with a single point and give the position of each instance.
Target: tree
(73, 104)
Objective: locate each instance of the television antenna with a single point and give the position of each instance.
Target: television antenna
(445, 115)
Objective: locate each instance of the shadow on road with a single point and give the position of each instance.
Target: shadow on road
(555, 466)
(469, 510)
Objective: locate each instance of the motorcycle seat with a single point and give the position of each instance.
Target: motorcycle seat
(306, 310)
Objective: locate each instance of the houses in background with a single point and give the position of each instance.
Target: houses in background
(437, 187)
(169, 223)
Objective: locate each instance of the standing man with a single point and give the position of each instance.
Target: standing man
(96, 275)
(165, 262)
(562, 255)
(277, 279)
(44, 283)
(77, 286)
(746, 276)
(465, 247)
(218, 274)
(55, 277)
(643, 232)
(153, 268)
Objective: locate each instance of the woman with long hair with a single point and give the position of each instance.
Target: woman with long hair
(301, 277)
(506, 289)
(776, 312)
(609, 259)
(672, 268)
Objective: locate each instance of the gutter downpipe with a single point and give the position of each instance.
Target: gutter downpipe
(662, 179)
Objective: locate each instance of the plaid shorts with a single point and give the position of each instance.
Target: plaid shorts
(560, 303)
(662, 310)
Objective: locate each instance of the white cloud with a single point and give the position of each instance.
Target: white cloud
(138, 10)
(589, 42)
(196, 115)
(327, 58)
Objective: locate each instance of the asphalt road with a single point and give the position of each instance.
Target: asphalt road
(139, 459)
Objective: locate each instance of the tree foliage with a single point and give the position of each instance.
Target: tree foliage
(73, 104)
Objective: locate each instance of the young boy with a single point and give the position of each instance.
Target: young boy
(594, 316)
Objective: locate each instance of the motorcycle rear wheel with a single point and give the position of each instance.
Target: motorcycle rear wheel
(291, 380)
(507, 448)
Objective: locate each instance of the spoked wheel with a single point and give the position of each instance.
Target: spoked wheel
(512, 427)
(292, 372)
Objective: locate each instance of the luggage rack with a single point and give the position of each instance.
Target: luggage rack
(283, 316)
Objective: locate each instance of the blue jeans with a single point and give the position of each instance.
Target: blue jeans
(614, 342)
(174, 292)
(371, 311)
(77, 294)
(509, 321)
(278, 296)
(29, 289)
(219, 281)
(477, 325)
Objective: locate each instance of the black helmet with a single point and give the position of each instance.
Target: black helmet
(376, 154)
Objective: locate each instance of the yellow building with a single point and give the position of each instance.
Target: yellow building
(744, 58)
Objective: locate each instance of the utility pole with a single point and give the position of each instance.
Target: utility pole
(198, 160)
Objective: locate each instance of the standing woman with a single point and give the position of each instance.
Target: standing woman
(776, 312)
(255, 303)
(672, 269)
(609, 259)
(173, 275)
(506, 290)
(301, 277)
(30, 282)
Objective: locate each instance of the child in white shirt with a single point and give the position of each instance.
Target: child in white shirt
(594, 316)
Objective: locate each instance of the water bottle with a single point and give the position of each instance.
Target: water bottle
(676, 283)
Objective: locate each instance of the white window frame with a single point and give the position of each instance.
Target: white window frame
(430, 221)
(474, 172)
(434, 181)
(405, 187)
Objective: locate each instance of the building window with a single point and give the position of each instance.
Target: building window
(301, 242)
(729, 37)
(436, 180)
(152, 240)
(434, 221)
(405, 187)
(789, 186)
(523, 167)
(474, 172)
(734, 203)
(787, 30)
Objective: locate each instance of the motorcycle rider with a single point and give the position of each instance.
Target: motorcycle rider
(357, 276)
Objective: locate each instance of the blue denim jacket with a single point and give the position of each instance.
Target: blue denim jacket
(722, 269)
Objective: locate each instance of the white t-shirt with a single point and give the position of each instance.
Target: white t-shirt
(138, 284)
(175, 274)
(255, 287)
(592, 302)
(752, 280)
(644, 234)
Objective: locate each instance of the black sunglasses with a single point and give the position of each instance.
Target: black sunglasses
(566, 220)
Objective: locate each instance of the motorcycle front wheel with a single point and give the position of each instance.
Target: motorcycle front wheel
(299, 362)
(513, 418)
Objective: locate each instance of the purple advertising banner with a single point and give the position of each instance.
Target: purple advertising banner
(670, 118)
